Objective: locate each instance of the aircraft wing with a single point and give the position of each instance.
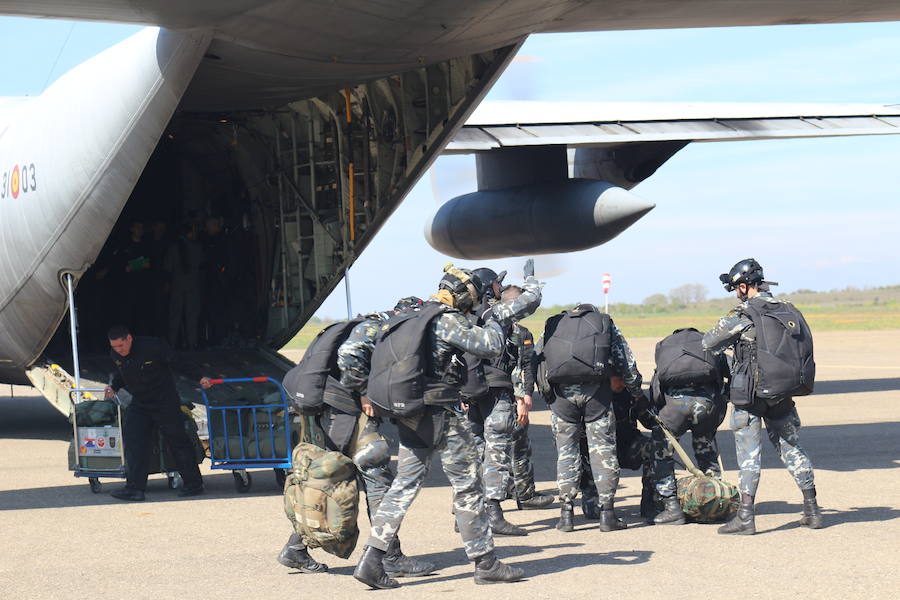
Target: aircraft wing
(496, 125)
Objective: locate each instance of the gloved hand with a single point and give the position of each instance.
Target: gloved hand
(528, 271)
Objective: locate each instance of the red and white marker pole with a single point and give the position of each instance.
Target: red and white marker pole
(606, 281)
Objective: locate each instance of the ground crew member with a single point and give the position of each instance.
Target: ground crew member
(440, 429)
(698, 406)
(358, 438)
(587, 406)
(144, 368)
(736, 329)
(184, 263)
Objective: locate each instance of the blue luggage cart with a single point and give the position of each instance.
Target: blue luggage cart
(249, 436)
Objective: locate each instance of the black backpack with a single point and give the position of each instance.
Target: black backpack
(784, 350)
(576, 345)
(314, 381)
(397, 379)
(681, 360)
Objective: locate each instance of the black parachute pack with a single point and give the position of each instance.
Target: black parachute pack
(315, 380)
(577, 345)
(682, 361)
(397, 379)
(784, 350)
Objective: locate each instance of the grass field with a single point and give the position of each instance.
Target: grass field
(851, 309)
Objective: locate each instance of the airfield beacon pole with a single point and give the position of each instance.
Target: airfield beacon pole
(347, 288)
(606, 281)
(73, 323)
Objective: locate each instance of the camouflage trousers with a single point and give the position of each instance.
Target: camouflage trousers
(521, 483)
(633, 450)
(784, 433)
(682, 413)
(456, 448)
(368, 450)
(601, 443)
(496, 446)
(522, 467)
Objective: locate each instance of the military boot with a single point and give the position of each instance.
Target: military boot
(536, 500)
(743, 522)
(490, 570)
(590, 508)
(671, 514)
(608, 519)
(499, 524)
(397, 564)
(295, 556)
(566, 517)
(370, 570)
(812, 515)
(648, 505)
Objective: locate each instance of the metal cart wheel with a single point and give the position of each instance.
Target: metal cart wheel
(242, 481)
(95, 484)
(280, 477)
(175, 481)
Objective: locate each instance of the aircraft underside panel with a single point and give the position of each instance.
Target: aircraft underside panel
(320, 176)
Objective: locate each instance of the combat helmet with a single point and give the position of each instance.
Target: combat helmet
(483, 278)
(745, 271)
(465, 289)
(408, 303)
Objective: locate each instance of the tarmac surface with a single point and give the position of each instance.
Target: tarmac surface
(59, 540)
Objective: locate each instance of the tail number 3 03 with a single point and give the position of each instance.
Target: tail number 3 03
(21, 179)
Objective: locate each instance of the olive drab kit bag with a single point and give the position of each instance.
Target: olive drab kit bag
(577, 345)
(312, 383)
(703, 498)
(397, 379)
(681, 360)
(784, 350)
(321, 499)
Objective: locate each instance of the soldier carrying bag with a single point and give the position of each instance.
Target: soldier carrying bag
(314, 381)
(784, 350)
(397, 380)
(577, 345)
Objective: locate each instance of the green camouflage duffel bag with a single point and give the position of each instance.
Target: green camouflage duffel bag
(707, 499)
(321, 499)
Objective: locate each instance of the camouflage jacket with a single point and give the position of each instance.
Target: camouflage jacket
(354, 356)
(454, 334)
(733, 328)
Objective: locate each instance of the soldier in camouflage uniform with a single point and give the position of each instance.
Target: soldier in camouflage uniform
(358, 437)
(736, 330)
(587, 407)
(496, 414)
(699, 408)
(633, 451)
(439, 429)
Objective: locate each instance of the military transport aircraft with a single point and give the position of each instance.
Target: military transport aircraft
(306, 124)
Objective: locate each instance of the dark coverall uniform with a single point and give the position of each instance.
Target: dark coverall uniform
(146, 373)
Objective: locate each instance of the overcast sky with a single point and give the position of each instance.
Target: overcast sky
(817, 213)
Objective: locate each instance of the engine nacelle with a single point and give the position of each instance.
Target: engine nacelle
(546, 218)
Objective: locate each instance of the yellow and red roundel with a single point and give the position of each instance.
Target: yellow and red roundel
(14, 182)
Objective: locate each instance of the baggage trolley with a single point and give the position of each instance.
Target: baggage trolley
(249, 436)
(99, 450)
